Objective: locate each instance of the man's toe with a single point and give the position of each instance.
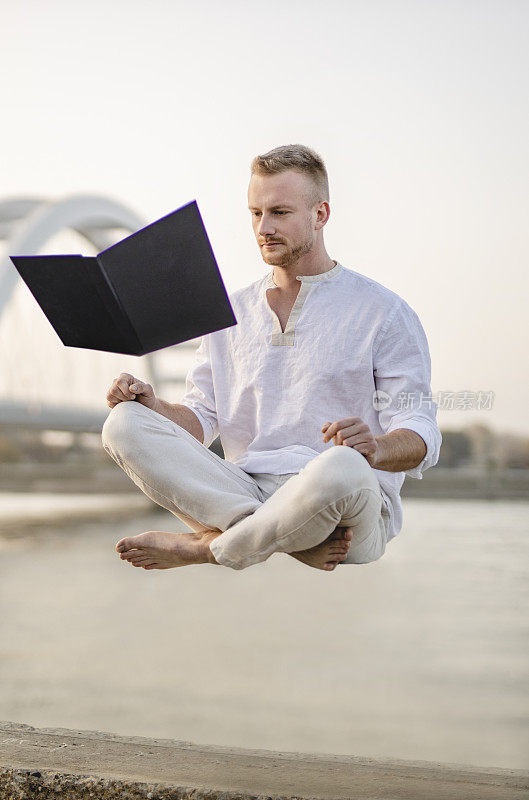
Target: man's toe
(125, 544)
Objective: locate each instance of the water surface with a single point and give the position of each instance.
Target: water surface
(422, 655)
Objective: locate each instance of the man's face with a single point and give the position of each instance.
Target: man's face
(283, 216)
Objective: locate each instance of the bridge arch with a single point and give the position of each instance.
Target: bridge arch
(27, 224)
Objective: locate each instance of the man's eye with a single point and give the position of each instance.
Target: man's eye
(280, 212)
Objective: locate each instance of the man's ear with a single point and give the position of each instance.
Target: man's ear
(322, 212)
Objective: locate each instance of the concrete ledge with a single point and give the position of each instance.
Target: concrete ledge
(61, 763)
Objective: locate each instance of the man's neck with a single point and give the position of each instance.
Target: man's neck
(285, 277)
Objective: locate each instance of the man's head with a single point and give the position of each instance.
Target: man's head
(288, 197)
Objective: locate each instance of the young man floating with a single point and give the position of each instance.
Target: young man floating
(306, 392)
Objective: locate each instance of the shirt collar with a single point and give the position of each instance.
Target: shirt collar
(321, 276)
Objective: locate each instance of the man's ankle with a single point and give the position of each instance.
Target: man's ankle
(209, 555)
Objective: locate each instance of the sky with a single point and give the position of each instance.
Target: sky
(418, 107)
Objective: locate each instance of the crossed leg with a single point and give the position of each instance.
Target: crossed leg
(163, 550)
(206, 492)
(336, 488)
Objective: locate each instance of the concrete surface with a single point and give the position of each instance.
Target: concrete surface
(47, 508)
(63, 763)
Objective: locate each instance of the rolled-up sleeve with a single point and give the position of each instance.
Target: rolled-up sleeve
(199, 393)
(402, 373)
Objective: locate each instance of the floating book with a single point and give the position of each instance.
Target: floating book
(158, 287)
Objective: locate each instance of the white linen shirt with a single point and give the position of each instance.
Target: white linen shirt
(268, 393)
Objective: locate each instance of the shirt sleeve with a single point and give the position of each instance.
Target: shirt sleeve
(199, 393)
(402, 373)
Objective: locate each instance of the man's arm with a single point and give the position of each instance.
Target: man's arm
(401, 372)
(196, 413)
(199, 398)
(182, 415)
(399, 451)
(127, 388)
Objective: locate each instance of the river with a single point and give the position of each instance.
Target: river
(421, 655)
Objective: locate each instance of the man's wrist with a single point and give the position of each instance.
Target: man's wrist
(378, 455)
(398, 451)
(157, 406)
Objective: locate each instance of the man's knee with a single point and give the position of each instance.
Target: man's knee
(338, 471)
(368, 551)
(120, 427)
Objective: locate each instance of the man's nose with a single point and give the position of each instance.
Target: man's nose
(266, 227)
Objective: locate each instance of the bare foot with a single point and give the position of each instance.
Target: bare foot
(329, 553)
(161, 550)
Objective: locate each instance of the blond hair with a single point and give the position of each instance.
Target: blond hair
(298, 158)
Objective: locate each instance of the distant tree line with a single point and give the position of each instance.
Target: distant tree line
(478, 445)
(475, 446)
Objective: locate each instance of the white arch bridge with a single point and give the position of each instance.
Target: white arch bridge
(44, 384)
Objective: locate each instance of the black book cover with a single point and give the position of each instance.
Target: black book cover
(157, 287)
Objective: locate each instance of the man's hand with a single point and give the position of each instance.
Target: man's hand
(353, 432)
(127, 387)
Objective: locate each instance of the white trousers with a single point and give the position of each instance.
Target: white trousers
(258, 514)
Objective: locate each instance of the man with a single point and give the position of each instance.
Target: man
(306, 392)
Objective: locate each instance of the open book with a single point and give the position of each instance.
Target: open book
(158, 287)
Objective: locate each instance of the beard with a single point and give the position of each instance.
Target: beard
(287, 255)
